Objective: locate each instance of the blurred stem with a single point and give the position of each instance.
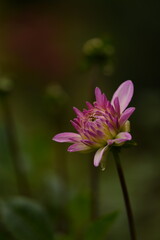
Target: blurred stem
(94, 173)
(22, 181)
(125, 195)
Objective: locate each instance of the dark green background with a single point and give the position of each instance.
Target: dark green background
(41, 46)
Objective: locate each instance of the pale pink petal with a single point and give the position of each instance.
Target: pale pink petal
(120, 138)
(67, 137)
(124, 94)
(78, 147)
(99, 96)
(125, 115)
(98, 155)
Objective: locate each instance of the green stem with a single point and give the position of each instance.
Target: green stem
(125, 195)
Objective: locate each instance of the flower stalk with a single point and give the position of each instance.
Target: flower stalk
(103, 125)
(125, 194)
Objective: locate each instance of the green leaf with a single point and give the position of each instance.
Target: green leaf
(26, 220)
(100, 227)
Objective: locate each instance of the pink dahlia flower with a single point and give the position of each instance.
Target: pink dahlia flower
(103, 124)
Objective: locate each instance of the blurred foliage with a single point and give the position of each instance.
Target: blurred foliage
(99, 51)
(6, 86)
(99, 228)
(26, 220)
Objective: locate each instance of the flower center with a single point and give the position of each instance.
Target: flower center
(92, 118)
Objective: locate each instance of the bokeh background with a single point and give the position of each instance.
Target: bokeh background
(52, 55)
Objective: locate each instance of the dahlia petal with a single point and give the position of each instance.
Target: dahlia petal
(111, 128)
(111, 108)
(85, 111)
(116, 105)
(89, 105)
(99, 96)
(98, 155)
(99, 133)
(91, 133)
(93, 128)
(120, 138)
(88, 142)
(124, 135)
(125, 115)
(124, 94)
(75, 125)
(104, 100)
(78, 112)
(78, 147)
(67, 137)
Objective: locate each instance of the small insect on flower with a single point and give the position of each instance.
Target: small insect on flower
(103, 124)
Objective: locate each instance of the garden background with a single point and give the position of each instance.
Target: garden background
(52, 56)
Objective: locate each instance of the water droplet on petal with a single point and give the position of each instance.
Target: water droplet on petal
(103, 167)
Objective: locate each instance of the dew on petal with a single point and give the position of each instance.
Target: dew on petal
(103, 168)
(103, 165)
